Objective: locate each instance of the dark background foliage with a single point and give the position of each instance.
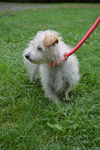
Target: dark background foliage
(51, 1)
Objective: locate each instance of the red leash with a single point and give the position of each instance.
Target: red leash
(66, 55)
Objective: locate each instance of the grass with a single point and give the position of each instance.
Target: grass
(28, 121)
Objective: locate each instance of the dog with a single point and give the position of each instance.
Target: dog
(45, 48)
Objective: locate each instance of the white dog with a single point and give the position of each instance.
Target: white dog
(45, 48)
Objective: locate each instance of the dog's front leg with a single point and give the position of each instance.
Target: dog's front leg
(32, 70)
(50, 94)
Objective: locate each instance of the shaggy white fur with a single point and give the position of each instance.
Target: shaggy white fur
(45, 48)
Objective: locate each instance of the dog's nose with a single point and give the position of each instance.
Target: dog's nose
(27, 56)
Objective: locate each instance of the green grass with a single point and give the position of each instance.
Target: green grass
(28, 121)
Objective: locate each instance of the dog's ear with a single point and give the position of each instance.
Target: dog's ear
(50, 40)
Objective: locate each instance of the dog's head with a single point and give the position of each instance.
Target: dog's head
(43, 48)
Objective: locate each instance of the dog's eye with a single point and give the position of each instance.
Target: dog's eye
(39, 48)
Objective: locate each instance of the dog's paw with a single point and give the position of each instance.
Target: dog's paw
(67, 98)
(32, 80)
(54, 99)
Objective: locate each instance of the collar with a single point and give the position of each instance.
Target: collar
(54, 64)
